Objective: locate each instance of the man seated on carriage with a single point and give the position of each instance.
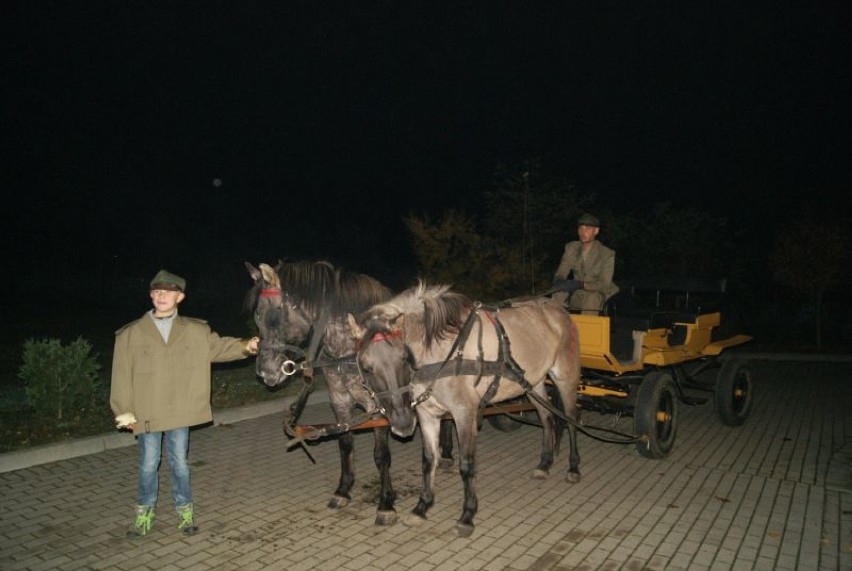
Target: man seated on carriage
(584, 275)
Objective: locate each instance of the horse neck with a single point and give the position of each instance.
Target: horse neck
(437, 353)
(337, 338)
(482, 327)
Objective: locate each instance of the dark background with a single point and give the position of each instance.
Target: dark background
(198, 135)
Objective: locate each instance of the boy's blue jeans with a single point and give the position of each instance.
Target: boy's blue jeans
(177, 448)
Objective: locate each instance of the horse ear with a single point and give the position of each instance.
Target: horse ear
(253, 272)
(269, 276)
(356, 330)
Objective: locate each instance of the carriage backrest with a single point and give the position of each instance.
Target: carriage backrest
(663, 300)
(659, 303)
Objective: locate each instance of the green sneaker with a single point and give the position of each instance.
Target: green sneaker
(142, 522)
(187, 520)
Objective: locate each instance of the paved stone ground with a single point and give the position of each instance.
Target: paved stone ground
(775, 493)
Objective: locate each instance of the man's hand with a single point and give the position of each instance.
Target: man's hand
(567, 285)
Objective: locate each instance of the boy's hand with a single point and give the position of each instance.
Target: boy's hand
(251, 345)
(126, 420)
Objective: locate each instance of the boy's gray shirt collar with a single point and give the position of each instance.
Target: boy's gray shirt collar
(164, 324)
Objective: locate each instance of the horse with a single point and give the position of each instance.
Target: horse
(296, 301)
(433, 350)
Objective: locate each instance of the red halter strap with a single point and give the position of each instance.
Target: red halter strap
(385, 336)
(270, 292)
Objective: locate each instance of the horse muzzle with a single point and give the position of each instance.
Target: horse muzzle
(403, 424)
(273, 377)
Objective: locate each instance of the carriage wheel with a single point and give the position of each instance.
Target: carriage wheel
(734, 393)
(655, 414)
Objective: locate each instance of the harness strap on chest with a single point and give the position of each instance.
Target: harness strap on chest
(463, 368)
(511, 368)
(503, 366)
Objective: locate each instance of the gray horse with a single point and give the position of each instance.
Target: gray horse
(434, 349)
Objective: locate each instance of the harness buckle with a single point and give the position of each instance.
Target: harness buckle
(289, 367)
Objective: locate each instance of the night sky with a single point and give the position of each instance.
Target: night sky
(253, 130)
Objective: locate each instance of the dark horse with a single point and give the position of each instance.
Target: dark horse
(300, 300)
(454, 356)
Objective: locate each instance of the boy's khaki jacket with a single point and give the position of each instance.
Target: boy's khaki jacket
(167, 385)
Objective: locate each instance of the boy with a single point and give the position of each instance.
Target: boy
(161, 387)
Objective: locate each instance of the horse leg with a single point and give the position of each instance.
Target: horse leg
(386, 514)
(429, 432)
(341, 495)
(446, 461)
(568, 395)
(549, 442)
(573, 475)
(467, 431)
(572, 412)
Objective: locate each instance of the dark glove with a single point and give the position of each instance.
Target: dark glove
(567, 285)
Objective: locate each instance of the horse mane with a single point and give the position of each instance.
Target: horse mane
(356, 292)
(432, 312)
(314, 285)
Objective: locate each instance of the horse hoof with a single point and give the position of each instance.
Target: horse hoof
(445, 463)
(412, 520)
(337, 502)
(387, 517)
(464, 529)
(539, 474)
(572, 477)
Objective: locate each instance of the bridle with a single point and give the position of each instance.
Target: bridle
(378, 337)
(290, 367)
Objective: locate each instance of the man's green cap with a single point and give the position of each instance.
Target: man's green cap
(167, 280)
(588, 220)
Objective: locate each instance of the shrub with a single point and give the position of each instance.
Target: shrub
(59, 379)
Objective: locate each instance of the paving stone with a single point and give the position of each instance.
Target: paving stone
(761, 496)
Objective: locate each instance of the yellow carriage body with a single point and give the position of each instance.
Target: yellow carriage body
(596, 353)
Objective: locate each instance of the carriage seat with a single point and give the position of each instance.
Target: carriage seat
(659, 303)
